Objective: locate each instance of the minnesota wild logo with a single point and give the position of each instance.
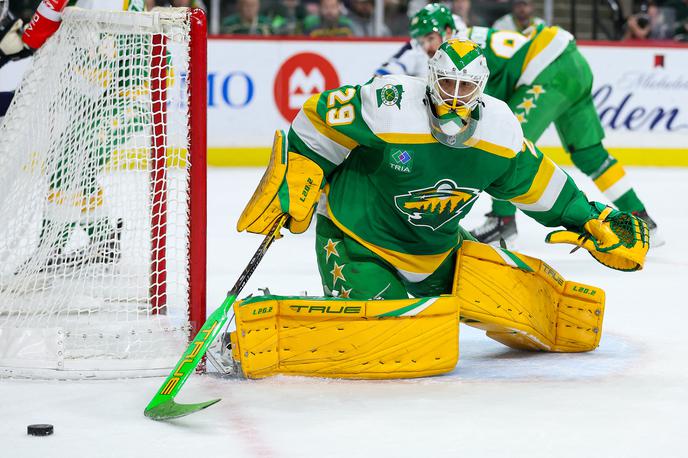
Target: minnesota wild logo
(390, 94)
(435, 206)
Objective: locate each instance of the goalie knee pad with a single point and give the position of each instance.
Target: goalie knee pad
(327, 337)
(523, 303)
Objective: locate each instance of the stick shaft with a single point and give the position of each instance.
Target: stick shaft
(206, 335)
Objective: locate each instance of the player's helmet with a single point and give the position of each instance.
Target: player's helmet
(434, 17)
(457, 77)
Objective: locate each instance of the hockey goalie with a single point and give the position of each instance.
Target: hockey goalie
(389, 168)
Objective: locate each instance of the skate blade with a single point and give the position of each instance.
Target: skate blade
(656, 239)
(511, 242)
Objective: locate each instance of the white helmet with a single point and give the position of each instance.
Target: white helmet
(457, 77)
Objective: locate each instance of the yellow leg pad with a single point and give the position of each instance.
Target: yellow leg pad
(523, 303)
(346, 339)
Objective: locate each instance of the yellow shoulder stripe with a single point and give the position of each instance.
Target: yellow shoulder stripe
(538, 44)
(310, 108)
(411, 139)
(539, 184)
(415, 263)
(492, 148)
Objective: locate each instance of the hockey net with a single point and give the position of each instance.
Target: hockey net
(102, 197)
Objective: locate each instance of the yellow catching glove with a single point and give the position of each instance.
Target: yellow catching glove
(291, 184)
(616, 239)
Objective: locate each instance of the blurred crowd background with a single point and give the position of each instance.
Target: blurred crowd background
(587, 19)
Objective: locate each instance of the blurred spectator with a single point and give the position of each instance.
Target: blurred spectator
(287, 17)
(150, 4)
(246, 21)
(361, 15)
(395, 17)
(414, 6)
(680, 27)
(189, 4)
(311, 6)
(329, 23)
(520, 18)
(462, 8)
(652, 23)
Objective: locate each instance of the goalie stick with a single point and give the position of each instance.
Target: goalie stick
(162, 406)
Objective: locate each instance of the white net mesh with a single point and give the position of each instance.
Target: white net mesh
(94, 200)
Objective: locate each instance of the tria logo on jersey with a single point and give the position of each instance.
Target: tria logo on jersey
(390, 95)
(435, 206)
(401, 161)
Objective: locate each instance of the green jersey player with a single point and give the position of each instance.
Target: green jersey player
(401, 160)
(111, 113)
(533, 75)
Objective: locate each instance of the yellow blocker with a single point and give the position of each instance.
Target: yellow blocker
(525, 304)
(291, 184)
(330, 337)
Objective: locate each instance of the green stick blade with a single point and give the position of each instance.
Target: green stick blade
(163, 401)
(170, 409)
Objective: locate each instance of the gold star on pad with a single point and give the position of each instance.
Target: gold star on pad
(527, 105)
(330, 248)
(337, 273)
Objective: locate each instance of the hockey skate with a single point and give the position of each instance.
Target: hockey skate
(220, 357)
(105, 251)
(495, 229)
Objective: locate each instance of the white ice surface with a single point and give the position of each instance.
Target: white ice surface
(629, 398)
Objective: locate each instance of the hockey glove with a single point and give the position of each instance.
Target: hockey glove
(291, 184)
(614, 238)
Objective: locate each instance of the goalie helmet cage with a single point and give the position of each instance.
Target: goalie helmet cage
(103, 198)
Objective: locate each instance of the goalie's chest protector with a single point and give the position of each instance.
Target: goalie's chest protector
(407, 192)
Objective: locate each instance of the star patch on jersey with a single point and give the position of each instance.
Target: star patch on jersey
(535, 91)
(345, 293)
(390, 95)
(331, 249)
(435, 206)
(527, 105)
(337, 273)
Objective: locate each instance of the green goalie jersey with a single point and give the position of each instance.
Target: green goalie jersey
(392, 187)
(515, 59)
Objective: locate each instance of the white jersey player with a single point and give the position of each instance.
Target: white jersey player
(430, 27)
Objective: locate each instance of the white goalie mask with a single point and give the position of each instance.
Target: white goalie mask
(457, 77)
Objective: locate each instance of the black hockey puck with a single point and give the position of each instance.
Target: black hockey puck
(39, 430)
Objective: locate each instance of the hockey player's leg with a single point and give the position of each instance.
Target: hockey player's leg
(119, 122)
(535, 106)
(103, 233)
(58, 221)
(581, 132)
(349, 270)
(500, 224)
(523, 303)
